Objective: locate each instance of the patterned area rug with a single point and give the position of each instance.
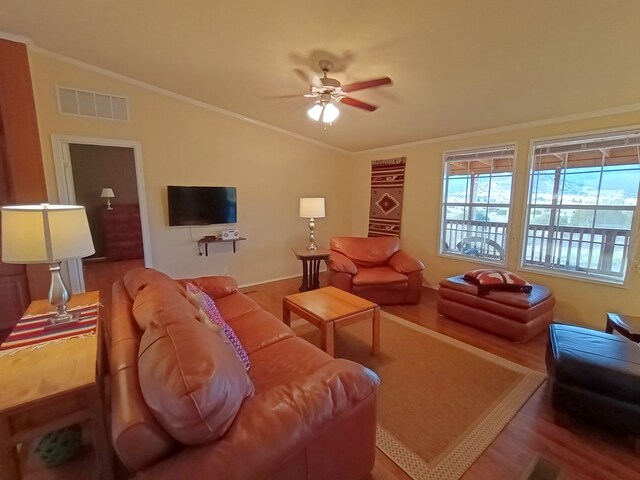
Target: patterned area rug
(442, 402)
(387, 186)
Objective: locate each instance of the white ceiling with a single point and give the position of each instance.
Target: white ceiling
(457, 65)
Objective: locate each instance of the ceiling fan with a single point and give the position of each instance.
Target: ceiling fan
(329, 91)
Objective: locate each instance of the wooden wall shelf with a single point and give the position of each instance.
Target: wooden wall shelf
(207, 240)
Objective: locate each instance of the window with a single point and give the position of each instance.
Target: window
(583, 198)
(476, 203)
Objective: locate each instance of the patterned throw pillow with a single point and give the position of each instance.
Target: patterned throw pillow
(495, 279)
(209, 307)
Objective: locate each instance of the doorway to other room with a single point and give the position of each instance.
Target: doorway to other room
(106, 179)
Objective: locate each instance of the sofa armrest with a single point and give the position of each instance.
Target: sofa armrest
(214, 286)
(273, 425)
(404, 263)
(340, 263)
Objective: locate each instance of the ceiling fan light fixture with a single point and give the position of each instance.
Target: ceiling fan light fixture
(331, 112)
(327, 112)
(315, 111)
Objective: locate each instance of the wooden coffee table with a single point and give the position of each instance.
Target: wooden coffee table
(329, 308)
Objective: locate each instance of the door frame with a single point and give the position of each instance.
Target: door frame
(67, 193)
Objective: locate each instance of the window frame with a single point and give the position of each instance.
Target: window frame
(634, 243)
(443, 192)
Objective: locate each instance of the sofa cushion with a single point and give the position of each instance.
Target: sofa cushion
(378, 276)
(155, 296)
(190, 376)
(216, 286)
(138, 278)
(205, 303)
(366, 252)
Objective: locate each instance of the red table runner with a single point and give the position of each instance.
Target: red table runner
(30, 331)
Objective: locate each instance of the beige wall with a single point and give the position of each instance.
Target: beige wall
(577, 301)
(186, 144)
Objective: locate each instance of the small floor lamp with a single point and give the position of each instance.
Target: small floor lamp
(312, 208)
(47, 234)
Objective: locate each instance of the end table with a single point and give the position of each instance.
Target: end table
(310, 266)
(51, 387)
(626, 325)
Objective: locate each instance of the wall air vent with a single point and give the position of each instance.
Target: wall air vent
(92, 104)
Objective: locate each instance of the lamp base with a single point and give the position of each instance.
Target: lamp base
(59, 296)
(312, 235)
(63, 320)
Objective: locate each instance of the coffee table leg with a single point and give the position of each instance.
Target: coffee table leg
(286, 313)
(375, 341)
(327, 338)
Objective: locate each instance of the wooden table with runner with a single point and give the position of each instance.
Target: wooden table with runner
(53, 384)
(329, 308)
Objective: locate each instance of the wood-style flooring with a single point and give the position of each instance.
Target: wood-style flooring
(583, 451)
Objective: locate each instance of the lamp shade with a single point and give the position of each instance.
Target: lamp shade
(328, 112)
(312, 207)
(45, 233)
(107, 193)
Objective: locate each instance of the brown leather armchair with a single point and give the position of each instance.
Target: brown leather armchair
(376, 269)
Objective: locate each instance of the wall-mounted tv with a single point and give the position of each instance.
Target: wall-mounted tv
(201, 205)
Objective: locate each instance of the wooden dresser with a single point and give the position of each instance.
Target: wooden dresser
(122, 233)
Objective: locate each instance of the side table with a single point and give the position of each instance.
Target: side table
(51, 387)
(626, 325)
(310, 266)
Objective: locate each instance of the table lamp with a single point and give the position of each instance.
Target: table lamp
(108, 194)
(312, 208)
(47, 234)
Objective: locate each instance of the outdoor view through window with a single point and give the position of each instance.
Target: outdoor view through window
(476, 202)
(583, 196)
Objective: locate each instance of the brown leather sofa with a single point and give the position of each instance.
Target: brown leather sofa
(310, 416)
(376, 269)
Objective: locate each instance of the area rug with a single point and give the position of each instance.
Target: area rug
(442, 402)
(387, 186)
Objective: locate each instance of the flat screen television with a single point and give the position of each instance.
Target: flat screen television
(201, 205)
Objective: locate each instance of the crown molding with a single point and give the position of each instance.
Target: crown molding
(16, 38)
(176, 96)
(633, 107)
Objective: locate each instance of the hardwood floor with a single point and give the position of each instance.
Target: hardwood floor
(582, 451)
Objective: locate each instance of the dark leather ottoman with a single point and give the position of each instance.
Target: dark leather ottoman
(517, 316)
(595, 375)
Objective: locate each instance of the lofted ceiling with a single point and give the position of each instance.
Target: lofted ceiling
(457, 65)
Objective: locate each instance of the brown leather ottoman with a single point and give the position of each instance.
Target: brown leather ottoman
(514, 315)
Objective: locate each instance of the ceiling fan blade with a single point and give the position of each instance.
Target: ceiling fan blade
(358, 104)
(310, 78)
(377, 82)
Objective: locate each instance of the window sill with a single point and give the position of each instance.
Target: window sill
(473, 259)
(577, 277)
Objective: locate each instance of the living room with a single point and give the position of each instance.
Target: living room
(184, 140)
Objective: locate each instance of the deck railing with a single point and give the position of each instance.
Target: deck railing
(601, 251)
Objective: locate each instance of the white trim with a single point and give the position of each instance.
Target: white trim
(66, 190)
(508, 234)
(176, 96)
(633, 107)
(13, 37)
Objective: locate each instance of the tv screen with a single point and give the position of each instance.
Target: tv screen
(201, 205)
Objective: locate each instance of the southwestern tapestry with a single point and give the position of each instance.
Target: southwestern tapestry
(387, 186)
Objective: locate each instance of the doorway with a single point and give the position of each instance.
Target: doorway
(105, 176)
